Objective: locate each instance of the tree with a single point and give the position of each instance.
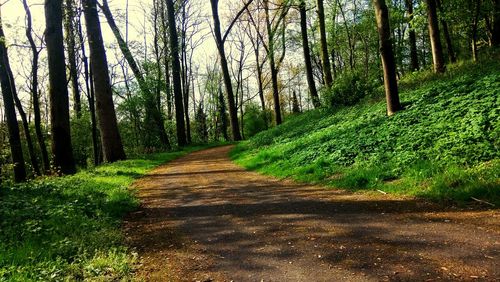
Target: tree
(434, 34)
(176, 75)
(219, 41)
(69, 27)
(152, 111)
(307, 56)
(446, 31)
(58, 92)
(412, 37)
(110, 136)
(327, 73)
(34, 89)
(10, 113)
(388, 62)
(495, 38)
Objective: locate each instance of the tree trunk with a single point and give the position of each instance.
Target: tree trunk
(34, 90)
(327, 73)
(176, 75)
(475, 22)
(272, 65)
(307, 56)
(111, 142)
(495, 38)
(10, 113)
(89, 87)
(69, 25)
(165, 58)
(412, 37)
(58, 91)
(437, 47)
(447, 36)
(222, 113)
(151, 109)
(388, 62)
(24, 119)
(233, 112)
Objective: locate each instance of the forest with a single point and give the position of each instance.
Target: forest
(379, 98)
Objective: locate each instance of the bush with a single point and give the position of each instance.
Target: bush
(255, 120)
(348, 90)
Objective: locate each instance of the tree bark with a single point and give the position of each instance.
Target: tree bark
(495, 38)
(412, 37)
(434, 34)
(10, 113)
(176, 75)
(58, 91)
(89, 87)
(307, 56)
(447, 36)
(233, 112)
(34, 90)
(111, 142)
(151, 109)
(272, 65)
(69, 26)
(327, 73)
(388, 62)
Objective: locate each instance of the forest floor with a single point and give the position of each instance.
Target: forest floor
(204, 218)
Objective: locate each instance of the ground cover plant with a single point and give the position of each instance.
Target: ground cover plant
(444, 146)
(68, 228)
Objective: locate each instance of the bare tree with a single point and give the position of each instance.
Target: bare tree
(10, 113)
(176, 75)
(110, 136)
(388, 62)
(307, 56)
(58, 92)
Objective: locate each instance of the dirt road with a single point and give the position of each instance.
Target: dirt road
(203, 218)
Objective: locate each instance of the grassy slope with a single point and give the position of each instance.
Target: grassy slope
(67, 228)
(444, 146)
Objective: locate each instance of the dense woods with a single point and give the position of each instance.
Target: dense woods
(388, 97)
(244, 67)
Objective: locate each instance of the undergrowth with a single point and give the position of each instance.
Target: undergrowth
(68, 228)
(443, 146)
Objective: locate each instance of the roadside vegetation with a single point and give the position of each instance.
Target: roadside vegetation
(444, 146)
(68, 228)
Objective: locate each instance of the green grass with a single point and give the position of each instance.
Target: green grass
(444, 146)
(68, 228)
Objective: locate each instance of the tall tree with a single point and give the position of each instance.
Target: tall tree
(447, 34)
(58, 92)
(219, 41)
(152, 110)
(90, 93)
(176, 75)
(110, 136)
(327, 73)
(271, 32)
(434, 34)
(34, 88)
(412, 37)
(307, 56)
(495, 38)
(10, 113)
(69, 27)
(388, 62)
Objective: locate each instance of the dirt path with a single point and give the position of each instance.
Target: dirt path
(204, 218)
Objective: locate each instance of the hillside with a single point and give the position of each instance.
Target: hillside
(444, 146)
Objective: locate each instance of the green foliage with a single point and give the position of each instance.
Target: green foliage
(254, 119)
(444, 145)
(81, 139)
(348, 90)
(67, 228)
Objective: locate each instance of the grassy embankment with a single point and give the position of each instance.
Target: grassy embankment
(68, 228)
(444, 146)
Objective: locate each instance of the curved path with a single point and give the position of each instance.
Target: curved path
(203, 218)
